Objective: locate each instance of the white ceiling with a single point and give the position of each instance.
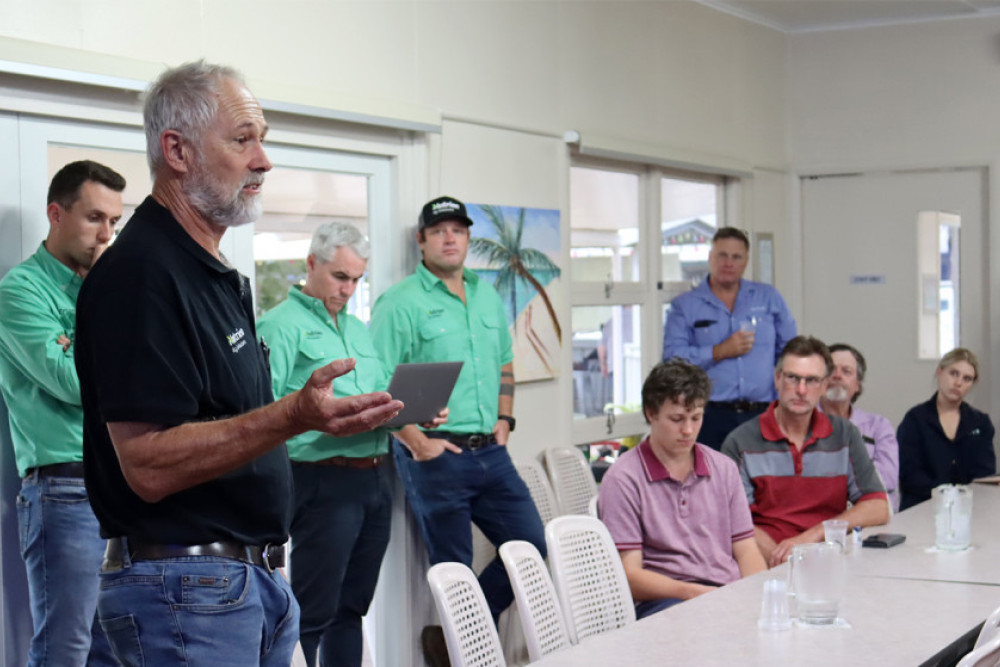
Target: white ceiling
(814, 15)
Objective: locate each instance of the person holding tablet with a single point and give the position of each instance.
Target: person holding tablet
(445, 312)
(343, 489)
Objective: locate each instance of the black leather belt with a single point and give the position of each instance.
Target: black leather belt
(740, 405)
(69, 469)
(467, 441)
(268, 556)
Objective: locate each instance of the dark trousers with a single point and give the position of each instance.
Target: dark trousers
(340, 532)
(448, 493)
(719, 421)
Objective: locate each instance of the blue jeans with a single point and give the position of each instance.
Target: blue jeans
(198, 611)
(340, 532)
(62, 551)
(448, 493)
(650, 607)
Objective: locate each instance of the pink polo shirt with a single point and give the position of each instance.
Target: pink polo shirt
(685, 529)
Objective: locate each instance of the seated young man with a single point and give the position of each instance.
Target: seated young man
(676, 509)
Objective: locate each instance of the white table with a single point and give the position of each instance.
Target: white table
(892, 622)
(903, 605)
(917, 559)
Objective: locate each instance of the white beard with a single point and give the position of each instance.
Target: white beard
(837, 394)
(208, 196)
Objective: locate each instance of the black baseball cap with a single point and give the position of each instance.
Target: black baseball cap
(441, 209)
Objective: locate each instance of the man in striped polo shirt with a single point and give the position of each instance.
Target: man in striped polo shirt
(800, 466)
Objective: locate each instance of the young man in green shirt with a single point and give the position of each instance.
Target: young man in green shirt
(60, 538)
(444, 312)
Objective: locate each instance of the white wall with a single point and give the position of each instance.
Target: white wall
(668, 75)
(905, 97)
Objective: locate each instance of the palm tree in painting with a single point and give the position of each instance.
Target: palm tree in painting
(513, 260)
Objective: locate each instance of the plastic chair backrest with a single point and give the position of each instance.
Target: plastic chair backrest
(990, 628)
(572, 479)
(588, 576)
(987, 655)
(592, 508)
(465, 617)
(541, 617)
(540, 488)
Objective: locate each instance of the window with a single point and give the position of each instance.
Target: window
(938, 267)
(296, 203)
(640, 235)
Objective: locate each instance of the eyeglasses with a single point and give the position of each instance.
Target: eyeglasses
(793, 380)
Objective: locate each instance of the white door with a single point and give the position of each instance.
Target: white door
(861, 281)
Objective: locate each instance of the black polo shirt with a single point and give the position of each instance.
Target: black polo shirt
(166, 335)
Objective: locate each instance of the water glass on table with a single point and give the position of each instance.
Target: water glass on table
(835, 530)
(774, 610)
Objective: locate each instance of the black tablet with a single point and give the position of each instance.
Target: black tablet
(424, 390)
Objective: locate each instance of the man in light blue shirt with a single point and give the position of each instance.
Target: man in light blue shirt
(734, 329)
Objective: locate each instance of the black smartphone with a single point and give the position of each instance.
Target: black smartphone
(883, 540)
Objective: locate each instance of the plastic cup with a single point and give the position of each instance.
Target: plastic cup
(835, 531)
(774, 613)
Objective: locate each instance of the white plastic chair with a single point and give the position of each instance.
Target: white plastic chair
(540, 488)
(541, 617)
(990, 629)
(588, 576)
(987, 655)
(592, 508)
(465, 617)
(572, 479)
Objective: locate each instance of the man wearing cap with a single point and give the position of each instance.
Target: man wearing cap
(60, 540)
(734, 329)
(445, 312)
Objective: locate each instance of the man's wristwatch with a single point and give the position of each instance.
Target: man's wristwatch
(510, 420)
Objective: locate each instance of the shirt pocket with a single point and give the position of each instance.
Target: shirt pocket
(441, 342)
(711, 334)
(491, 325)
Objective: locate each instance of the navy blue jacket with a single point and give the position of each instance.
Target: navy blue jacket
(928, 458)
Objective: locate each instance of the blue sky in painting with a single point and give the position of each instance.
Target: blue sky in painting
(541, 232)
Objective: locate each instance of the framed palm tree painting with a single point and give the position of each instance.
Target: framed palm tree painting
(517, 250)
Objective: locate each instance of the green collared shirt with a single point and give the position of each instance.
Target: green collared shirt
(420, 320)
(37, 377)
(302, 337)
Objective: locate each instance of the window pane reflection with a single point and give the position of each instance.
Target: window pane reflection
(604, 220)
(688, 221)
(607, 368)
(297, 201)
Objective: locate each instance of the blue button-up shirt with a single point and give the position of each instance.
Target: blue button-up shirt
(698, 321)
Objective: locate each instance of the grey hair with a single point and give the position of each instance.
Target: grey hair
(332, 235)
(184, 99)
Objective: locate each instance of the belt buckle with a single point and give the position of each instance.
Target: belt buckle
(265, 556)
(476, 441)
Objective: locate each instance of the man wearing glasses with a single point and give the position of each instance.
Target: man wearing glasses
(733, 329)
(800, 466)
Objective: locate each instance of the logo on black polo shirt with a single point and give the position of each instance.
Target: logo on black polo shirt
(237, 340)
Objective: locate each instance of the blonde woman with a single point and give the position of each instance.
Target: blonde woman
(945, 440)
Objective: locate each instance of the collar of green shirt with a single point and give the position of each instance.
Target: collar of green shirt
(430, 281)
(59, 273)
